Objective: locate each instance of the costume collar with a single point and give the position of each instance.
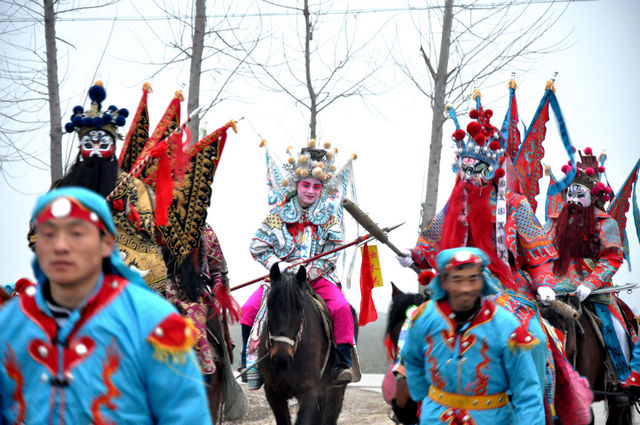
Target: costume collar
(318, 213)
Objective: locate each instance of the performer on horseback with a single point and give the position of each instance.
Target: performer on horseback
(159, 213)
(90, 342)
(304, 222)
(466, 359)
(589, 242)
(485, 211)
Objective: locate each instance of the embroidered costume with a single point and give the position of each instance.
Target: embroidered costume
(123, 356)
(478, 373)
(291, 233)
(591, 252)
(485, 211)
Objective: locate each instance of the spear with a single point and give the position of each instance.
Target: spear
(365, 221)
(356, 241)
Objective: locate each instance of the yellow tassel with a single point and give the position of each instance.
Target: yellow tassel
(354, 156)
(98, 83)
(512, 84)
(178, 95)
(547, 170)
(476, 93)
(263, 143)
(146, 87)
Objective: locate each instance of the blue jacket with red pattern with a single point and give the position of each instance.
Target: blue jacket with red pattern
(124, 358)
(465, 376)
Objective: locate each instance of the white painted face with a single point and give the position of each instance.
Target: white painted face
(579, 195)
(97, 143)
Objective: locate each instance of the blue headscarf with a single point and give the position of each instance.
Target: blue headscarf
(97, 204)
(444, 257)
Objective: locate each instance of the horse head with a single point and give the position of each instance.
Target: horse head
(400, 302)
(285, 314)
(567, 324)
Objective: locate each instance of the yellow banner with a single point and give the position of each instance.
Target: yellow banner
(374, 261)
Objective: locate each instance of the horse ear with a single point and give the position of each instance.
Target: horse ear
(274, 273)
(395, 291)
(301, 275)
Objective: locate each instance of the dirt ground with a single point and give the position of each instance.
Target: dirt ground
(360, 407)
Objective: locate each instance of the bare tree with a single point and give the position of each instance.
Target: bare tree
(23, 72)
(476, 40)
(305, 72)
(215, 48)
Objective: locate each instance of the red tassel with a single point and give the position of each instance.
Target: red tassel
(134, 217)
(164, 184)
(226, 303)
(178, 158)
(425, 277)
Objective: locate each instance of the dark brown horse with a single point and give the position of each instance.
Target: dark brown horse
(295, 353)
(586, 352)
(405, 409)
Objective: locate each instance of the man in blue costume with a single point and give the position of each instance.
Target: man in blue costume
(90, 343)
(465, 358)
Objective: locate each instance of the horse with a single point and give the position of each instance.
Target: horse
(405, 409)
(295, 354)
(589, 357)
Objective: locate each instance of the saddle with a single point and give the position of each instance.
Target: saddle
(328, 329)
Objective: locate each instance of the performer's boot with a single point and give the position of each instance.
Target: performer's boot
(246, 331)
(342, 373)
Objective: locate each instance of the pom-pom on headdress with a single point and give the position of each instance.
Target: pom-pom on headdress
(588, 175)
(481, 141)
(315, 162)
(94, 118)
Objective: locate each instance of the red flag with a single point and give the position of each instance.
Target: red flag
(368, 311)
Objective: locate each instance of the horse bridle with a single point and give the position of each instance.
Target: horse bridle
(286, 340)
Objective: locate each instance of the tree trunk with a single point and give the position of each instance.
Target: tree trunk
(196, 67)
(55, 118)
(313, 107)
(437, 120)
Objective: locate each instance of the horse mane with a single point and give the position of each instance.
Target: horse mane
(286, 292)
(398, 309)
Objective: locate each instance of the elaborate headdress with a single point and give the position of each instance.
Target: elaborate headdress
(94, 118)
(588, 174)
(315, 162)
(481, 141)
(311, 162)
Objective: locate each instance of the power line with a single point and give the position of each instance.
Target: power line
(343, 12)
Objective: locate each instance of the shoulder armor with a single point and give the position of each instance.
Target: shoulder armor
(273, 221)
(521, 339)
(172, 338)
(333, 220)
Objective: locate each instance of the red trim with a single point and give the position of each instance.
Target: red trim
(49, 360)
(104, 297)
(32, 311)
(486, 313)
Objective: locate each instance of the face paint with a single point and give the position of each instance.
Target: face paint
(97, 143)
(474, 171)
(578, 194)
(309, 191)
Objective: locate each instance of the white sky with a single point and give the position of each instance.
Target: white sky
(596, 87)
